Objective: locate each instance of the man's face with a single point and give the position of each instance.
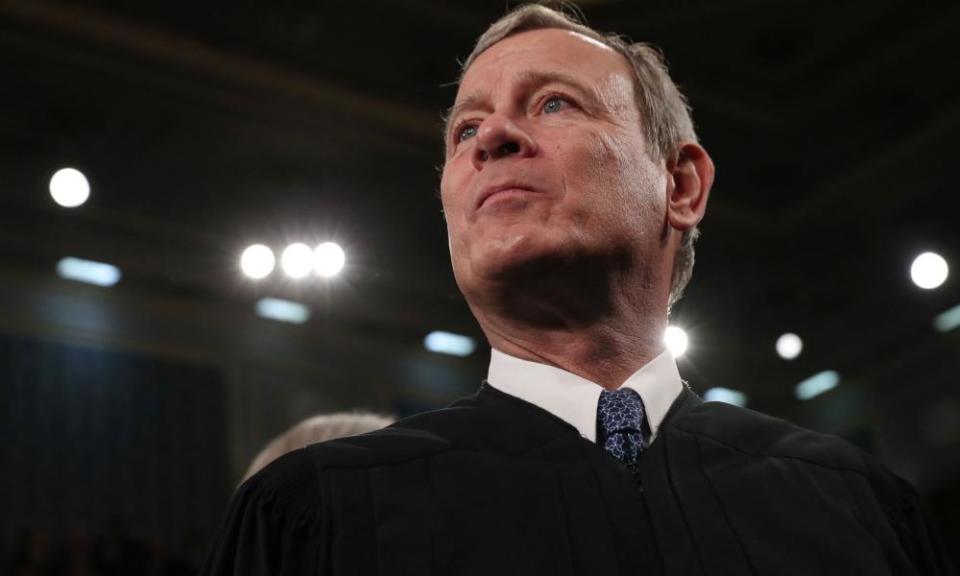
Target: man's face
(546, 159)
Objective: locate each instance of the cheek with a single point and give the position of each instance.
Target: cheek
(451, 192)
(621, 165)
(599, 167)
(614, 179)
(453, 199)
(600, 162)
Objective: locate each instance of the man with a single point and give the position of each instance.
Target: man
(572, 189)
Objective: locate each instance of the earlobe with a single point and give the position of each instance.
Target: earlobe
(692, 171)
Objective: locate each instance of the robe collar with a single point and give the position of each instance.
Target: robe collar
(573, 399)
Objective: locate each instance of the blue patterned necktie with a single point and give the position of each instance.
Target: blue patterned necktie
(621, 426)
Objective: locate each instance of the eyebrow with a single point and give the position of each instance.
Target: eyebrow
(473, 101)
(527, 80)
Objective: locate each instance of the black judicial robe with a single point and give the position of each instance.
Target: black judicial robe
(494, 485)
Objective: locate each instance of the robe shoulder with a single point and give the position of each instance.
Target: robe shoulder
(489, 421)
(747, 435)
(756, 434)
(377, 448)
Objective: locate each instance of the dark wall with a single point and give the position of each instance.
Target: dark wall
(127, 412)
(95, 438)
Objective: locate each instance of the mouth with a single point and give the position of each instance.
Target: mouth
(506, 190)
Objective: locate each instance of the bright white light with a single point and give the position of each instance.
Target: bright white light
(328, 259)
(448, 343)
(676, 340)
(929, 270)
(947, 321)
(257, 261)
(88, 271)
(297, 260)
(789, 346)
(727, 395)
(69, 187)
(817, 385)
(283, 310)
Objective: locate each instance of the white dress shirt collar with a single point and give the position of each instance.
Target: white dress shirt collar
(574, 399)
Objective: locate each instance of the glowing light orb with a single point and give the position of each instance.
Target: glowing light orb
(789, 346)
(257, 261)
(297, 260)
(328, 259)
(69, 187)
(929, 270)
(676, 340)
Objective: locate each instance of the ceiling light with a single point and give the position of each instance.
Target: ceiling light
(727, 395)
(88, 271)
(789, 346)
(257, 261)
(817, 385)
(69, 187)
(297, 260)
(676, 340)
(449, 343)
(328, 259)
(283, 310)
(947, 321)
(929, 270)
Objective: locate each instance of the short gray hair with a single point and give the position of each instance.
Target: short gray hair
(664, 110)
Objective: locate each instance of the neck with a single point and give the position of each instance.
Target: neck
(601, 356)
(601, 331)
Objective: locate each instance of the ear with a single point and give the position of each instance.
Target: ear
(692, 173)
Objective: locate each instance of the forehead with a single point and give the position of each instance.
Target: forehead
(548, 50)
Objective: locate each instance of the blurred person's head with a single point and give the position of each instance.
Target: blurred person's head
(316, 429)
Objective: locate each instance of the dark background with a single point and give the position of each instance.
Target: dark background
(128, 413)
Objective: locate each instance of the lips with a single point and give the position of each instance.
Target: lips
(489, 191)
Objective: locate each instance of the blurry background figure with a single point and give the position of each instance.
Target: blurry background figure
(316, 429)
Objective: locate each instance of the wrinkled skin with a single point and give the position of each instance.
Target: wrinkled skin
(569, 261)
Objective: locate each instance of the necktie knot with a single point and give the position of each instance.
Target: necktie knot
(621, 424)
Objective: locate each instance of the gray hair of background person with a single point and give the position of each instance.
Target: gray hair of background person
(664, 110)
(316, 429)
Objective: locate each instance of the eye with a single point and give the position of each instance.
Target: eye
(465, 132)
(553, 104)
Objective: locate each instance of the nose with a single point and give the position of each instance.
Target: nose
(500, 137)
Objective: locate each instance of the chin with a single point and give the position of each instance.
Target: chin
(517, 255)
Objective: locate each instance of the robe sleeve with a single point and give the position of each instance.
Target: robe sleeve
(274, 524)
(919, 537)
